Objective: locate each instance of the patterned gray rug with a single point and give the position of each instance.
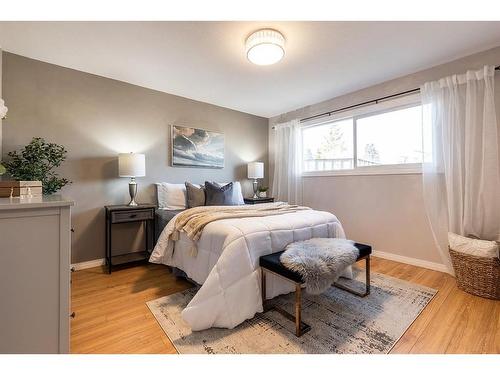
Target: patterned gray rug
(341, 322)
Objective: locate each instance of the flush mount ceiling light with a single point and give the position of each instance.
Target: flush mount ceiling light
(265, 47)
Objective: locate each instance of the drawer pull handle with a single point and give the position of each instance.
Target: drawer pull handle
(72, 315)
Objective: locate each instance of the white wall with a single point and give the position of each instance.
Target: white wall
(386, 211)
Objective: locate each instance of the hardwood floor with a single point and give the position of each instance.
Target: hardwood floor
(112, 316)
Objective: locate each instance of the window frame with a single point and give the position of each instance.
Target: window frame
(407, 101)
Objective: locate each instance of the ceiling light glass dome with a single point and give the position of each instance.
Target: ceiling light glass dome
(265, 47)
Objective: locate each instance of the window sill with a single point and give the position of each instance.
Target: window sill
(369, 171)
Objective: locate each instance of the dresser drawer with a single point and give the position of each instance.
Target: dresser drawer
(126, 216)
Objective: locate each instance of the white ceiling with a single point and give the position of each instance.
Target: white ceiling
(206, 60)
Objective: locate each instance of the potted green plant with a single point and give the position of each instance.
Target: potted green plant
(37, 161)
(262, 191)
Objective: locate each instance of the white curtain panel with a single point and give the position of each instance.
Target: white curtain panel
(461, 158)
(287, 181)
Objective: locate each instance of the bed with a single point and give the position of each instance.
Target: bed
(162, 218)
(226, 263)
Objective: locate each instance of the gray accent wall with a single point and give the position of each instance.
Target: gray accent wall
(384, 210)
(96, 118)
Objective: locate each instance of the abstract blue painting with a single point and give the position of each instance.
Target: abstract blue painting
(192, 147)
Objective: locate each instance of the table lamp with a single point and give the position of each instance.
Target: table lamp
(255, 171)
(132, 165)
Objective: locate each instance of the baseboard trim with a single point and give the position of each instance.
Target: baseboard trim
(376, 253)
(413, 261)
(88, 264)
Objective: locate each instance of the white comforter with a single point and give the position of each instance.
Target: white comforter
(227, 263)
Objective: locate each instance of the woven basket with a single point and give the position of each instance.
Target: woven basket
(477, 275)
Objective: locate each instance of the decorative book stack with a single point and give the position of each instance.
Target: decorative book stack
(22, 189)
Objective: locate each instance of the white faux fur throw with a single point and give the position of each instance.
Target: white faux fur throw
(320, 261)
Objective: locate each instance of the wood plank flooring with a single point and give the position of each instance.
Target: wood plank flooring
(112, 316)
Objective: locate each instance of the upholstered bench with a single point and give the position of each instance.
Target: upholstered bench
(271, 263)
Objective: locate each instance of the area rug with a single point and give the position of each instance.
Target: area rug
(341, 322)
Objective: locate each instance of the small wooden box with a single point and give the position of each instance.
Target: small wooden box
(20, 188)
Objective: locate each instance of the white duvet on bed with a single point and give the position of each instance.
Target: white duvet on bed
(227, 263)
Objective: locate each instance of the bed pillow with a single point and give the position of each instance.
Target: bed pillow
(237, 194)
(171, 196)
(195, 195)
(217, 195)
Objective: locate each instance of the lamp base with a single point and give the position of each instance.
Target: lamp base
(255, 186)
(132, 190)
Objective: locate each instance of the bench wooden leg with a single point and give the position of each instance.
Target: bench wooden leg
(300, 326)
(298, 309)
(367, 281)
(263, 288)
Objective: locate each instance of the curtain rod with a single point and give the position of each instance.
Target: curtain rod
(373, 101)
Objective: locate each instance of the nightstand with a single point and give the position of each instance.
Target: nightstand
(119, 214)
(258, 200)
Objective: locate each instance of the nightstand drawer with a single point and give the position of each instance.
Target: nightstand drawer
(127, 216)
(258, 200)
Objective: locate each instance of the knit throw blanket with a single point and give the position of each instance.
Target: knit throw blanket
(193, 220)
(320, 261)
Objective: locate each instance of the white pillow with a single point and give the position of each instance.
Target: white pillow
(480, 248)
(171, 196)
(237, 194)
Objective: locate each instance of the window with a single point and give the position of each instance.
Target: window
(328, 146)
(365, 142)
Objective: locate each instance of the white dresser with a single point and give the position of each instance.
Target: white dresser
(35, 255)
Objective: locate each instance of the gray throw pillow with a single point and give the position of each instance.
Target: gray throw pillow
(195, 195)
(217, 195)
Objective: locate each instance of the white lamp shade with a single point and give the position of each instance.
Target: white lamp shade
(131, 165)
(256, 170)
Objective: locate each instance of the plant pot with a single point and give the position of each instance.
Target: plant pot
(262, 194)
